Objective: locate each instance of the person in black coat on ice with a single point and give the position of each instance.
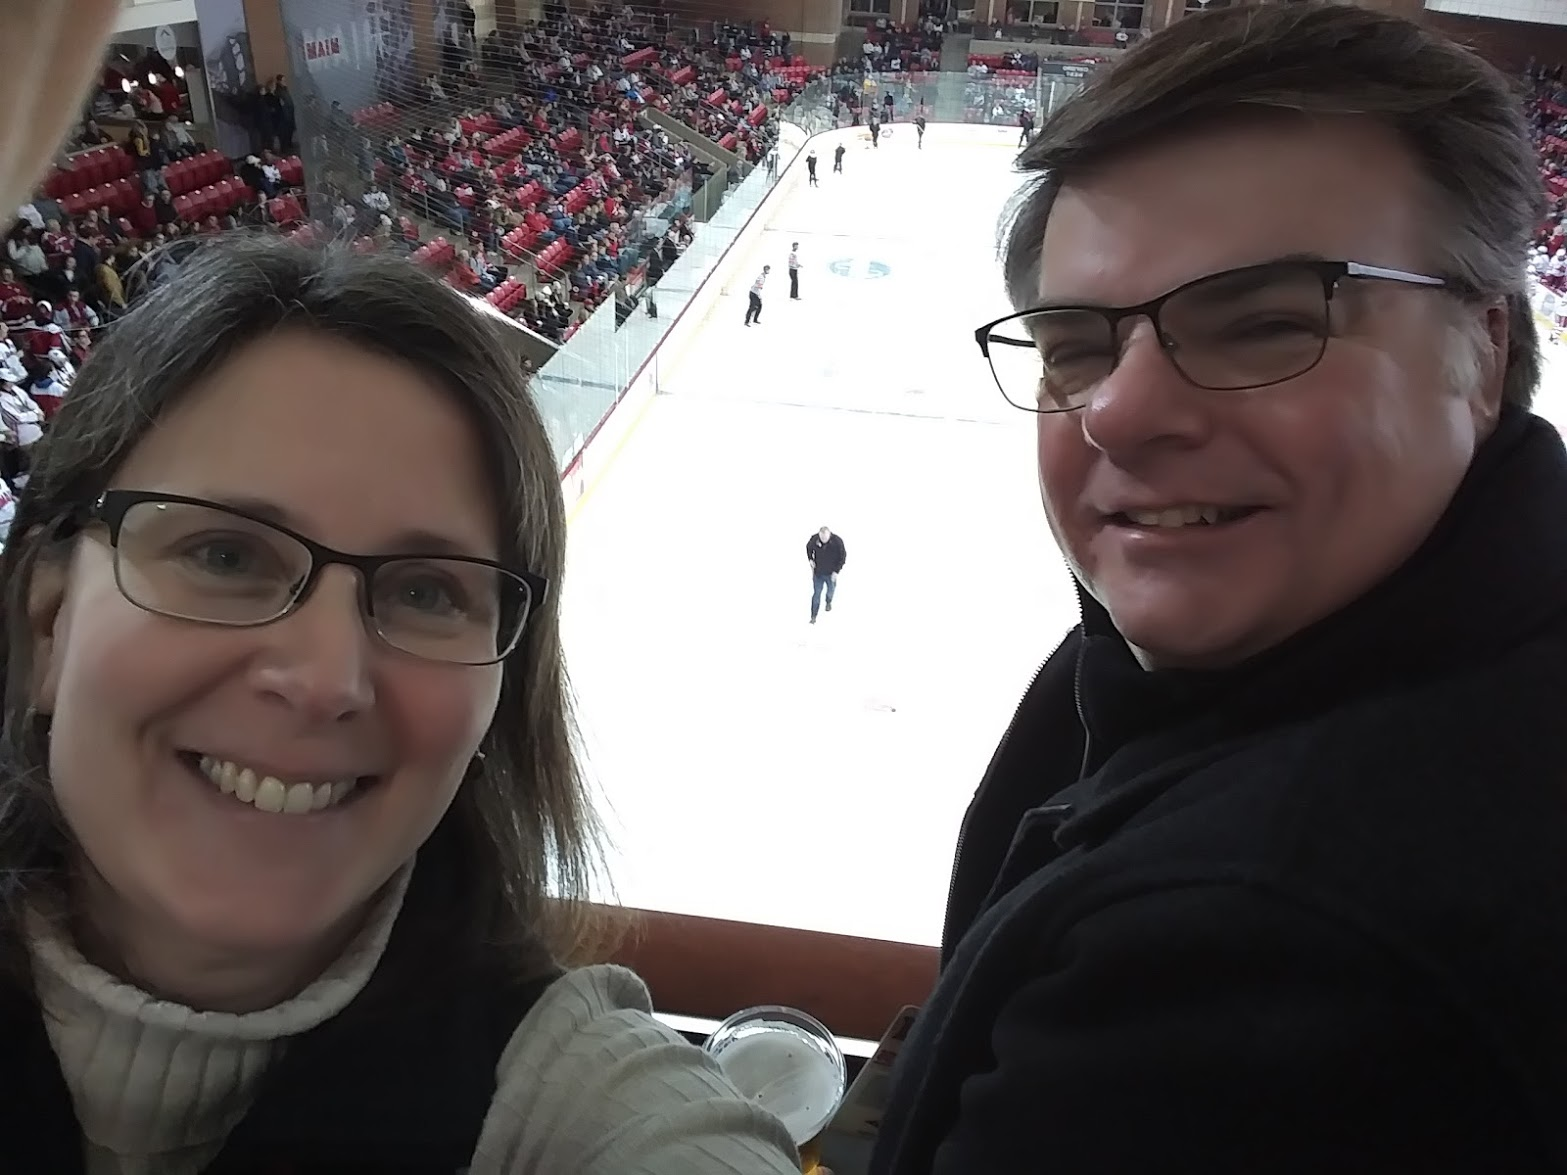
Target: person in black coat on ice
(826, 554)
(1269, 874)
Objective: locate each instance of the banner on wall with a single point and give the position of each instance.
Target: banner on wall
(231, 71)
(1073, 70)
(353, 52)
(322, 49)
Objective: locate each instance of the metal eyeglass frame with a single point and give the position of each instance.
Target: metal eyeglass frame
(112, 506)
(1331, 274)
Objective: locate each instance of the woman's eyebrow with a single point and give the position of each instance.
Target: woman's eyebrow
(412, 541)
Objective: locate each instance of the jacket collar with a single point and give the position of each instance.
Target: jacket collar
(1492, 573)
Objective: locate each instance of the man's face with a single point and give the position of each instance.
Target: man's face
(1345, 468)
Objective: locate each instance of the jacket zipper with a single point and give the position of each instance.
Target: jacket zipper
(1077, 700)
(957, 852)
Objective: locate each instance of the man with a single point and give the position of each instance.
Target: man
(810, 167)
(753, 308)
(826, 554)
(1270, 872)
(794, 271)
(837, 157)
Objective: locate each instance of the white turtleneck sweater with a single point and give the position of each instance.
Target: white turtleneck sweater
(157, 1086)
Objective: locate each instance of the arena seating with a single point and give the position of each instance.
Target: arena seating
(507, 295)
(186, 175)
(89, 169)
(285, 209)
(378, 117)
(554, 180)
(437, 255)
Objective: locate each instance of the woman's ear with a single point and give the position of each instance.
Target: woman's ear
(45, 602)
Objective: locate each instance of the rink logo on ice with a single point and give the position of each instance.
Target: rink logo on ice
(857, 267)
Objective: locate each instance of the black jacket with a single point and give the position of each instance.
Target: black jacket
(398, 1083)
(1306, 916)
(826, 558)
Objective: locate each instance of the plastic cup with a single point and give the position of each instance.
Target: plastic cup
(789, 1064)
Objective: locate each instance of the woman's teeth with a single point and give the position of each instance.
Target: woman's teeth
(271, 794)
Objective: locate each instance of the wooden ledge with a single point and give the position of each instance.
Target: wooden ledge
(711, 968)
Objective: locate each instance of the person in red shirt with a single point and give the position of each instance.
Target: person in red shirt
(44, 336)
(55, 243)
(16, 300)
(74, 314)
(144, 217)
(81, 346)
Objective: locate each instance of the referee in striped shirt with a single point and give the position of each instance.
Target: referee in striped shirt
(753, 310)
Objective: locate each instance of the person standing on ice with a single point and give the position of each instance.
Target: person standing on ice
(753, 308)
(826, 554)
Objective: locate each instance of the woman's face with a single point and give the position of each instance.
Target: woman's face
(355, 451)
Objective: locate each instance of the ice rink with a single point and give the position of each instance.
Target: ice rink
(755, 767)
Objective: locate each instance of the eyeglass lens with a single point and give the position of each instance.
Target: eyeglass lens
(204, 563)
(1229, 332)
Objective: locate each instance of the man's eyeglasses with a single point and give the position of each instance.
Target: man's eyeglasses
(191, 559)
(1227, 332)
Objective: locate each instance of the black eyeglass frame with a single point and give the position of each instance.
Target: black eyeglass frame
(113, 505)
(1331, 273)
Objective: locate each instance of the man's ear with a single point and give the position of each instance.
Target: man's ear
(1499, 332)
(45, 602)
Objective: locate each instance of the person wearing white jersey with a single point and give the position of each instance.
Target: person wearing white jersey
(753, 309)
(794, 271)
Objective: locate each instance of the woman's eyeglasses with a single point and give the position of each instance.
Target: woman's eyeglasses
(192, 559)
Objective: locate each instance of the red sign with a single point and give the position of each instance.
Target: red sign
(323, 47)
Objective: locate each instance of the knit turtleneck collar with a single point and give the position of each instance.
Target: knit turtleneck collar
(1493, 568)
(158, 1085)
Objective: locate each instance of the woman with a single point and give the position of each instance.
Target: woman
(259, 792)
(109, 282)
(147, 153)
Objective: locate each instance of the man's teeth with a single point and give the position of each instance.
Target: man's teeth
(271, 794)
(1180, 516)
